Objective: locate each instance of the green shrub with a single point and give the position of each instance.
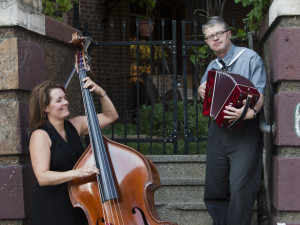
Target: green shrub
(55, 8)
(152, 121)
(158, 120)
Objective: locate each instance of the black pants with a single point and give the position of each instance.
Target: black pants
(233, 173)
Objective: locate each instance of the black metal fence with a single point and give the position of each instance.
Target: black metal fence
(153, 84)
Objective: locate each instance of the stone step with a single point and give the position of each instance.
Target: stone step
(180, 191)
(180, 199)
(180, 166)
(184, 213)
(189, 214)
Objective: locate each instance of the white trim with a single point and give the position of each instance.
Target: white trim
(297, 120)
(235, 84)
(229, 93)
(212, 99)
(283, 8)
(235, 58)
(14, 13)
(232, 61)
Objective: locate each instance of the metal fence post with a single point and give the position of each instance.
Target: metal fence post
(174, 76)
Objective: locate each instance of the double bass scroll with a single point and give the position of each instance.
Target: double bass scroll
(123, 192)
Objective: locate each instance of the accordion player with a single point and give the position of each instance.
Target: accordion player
(227, 89)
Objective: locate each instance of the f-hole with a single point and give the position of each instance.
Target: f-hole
(102, 221)
(142, 214)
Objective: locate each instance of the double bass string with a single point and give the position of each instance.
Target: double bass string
(92, 121)
(107, 182)
(89, 127)
(85, 95)
(92, 132)
(107, 187)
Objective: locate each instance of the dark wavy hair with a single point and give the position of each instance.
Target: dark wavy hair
(39, 100)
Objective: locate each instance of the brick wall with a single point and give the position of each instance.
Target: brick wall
(279, 37)
(32, 49)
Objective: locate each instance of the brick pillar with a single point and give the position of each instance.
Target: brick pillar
(280, 36)
(33, 48)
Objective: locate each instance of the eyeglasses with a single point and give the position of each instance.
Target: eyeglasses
(218, 35)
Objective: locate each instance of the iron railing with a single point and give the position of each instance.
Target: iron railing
(160, 85)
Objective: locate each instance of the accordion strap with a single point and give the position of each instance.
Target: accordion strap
(242, 116)
(232, 61)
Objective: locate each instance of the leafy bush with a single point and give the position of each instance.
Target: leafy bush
(159, 121)
(152, 121)
(257, 13)
(55, 8)
(157, 148)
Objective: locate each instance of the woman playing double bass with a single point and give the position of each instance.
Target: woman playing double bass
(55, 147)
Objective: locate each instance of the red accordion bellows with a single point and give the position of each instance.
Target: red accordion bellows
(226, 89)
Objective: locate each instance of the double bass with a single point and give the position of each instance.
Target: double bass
(123, 192)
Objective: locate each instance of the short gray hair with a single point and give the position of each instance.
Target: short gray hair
(213, 21)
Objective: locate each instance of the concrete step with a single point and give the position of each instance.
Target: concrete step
(185, 213)
(180, 166)
(180, 191)
(190, 214)
(180, 199)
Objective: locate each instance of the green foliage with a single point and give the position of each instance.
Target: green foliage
(157, 148)
(200, 52)
(158, 120)
(192, 120)
(55, 8)
(119, 129)
(241, 34)
(256, 15)
(152, 122)
(147, 4)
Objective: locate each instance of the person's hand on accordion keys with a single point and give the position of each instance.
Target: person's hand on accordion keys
(234, 113)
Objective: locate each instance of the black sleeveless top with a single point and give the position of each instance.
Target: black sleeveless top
(51, 205)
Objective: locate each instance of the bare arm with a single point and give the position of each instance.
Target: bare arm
(40, 155)
(108, 115)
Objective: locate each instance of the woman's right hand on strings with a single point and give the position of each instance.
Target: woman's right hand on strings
(86, 171)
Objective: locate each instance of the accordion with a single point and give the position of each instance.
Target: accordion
(227, 89)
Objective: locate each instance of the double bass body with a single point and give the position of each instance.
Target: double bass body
(136, 180)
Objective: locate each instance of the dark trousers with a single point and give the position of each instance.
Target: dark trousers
(233, 173)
